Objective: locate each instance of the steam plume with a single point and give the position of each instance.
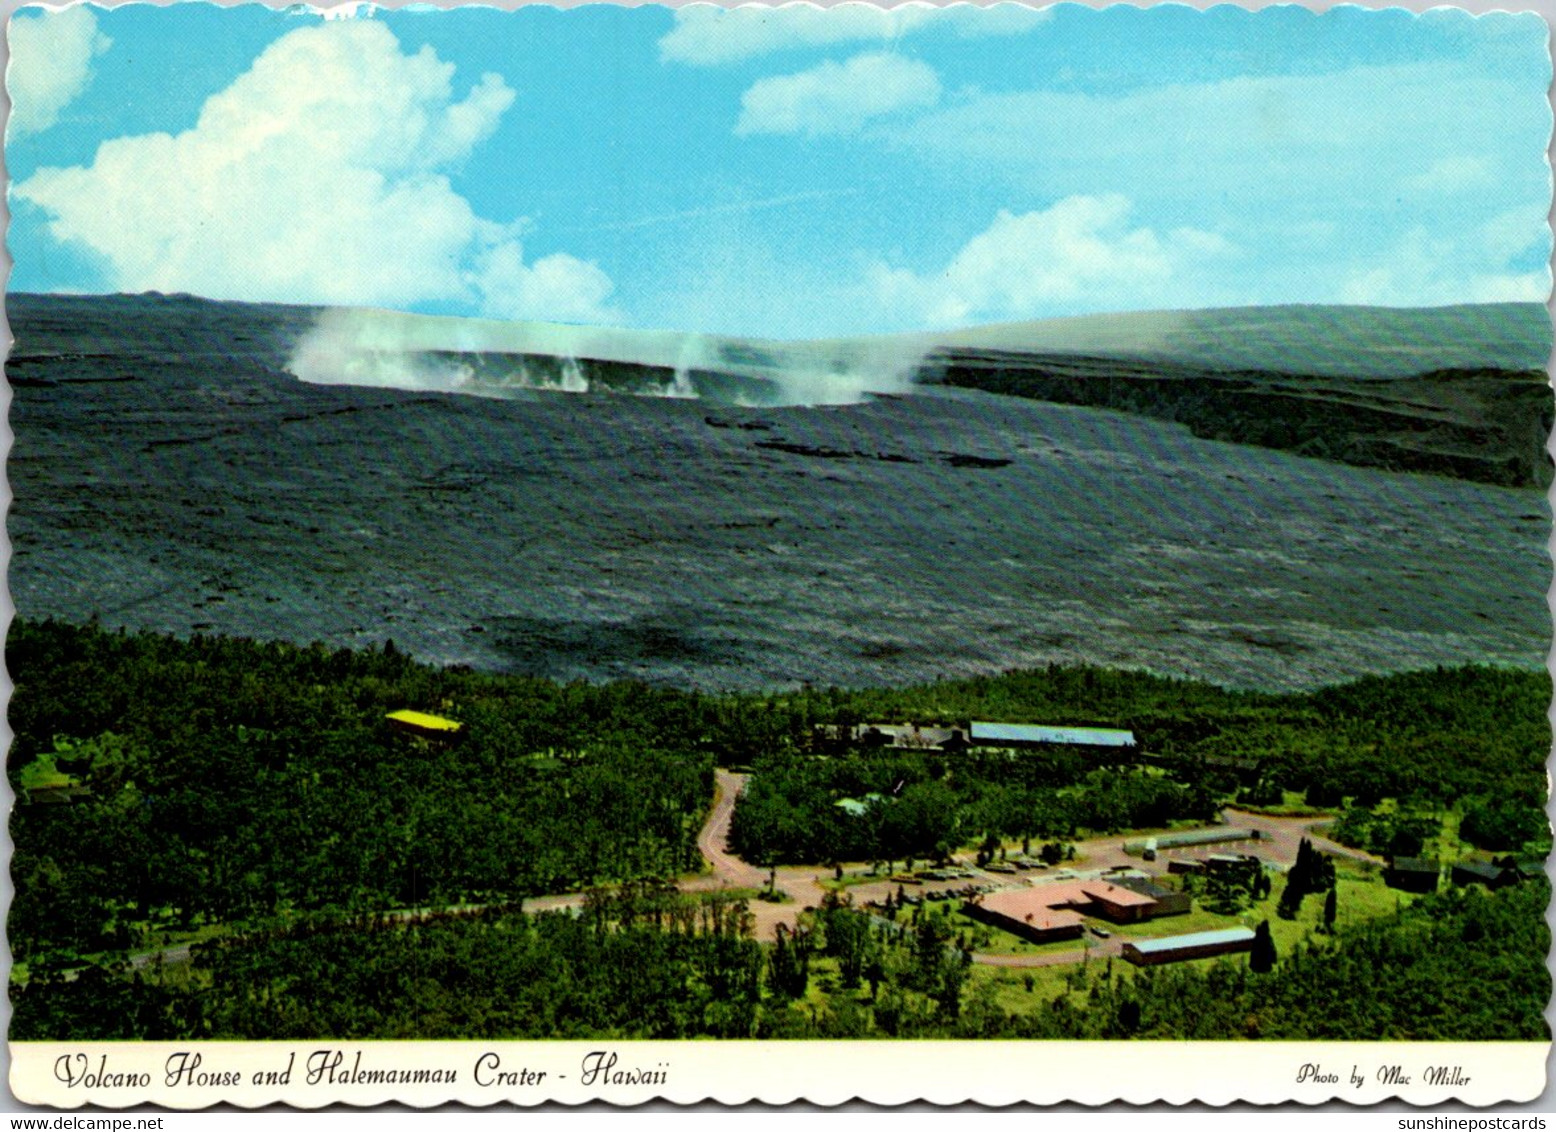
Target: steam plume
(387, 349)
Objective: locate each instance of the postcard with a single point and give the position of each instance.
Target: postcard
(966, 553)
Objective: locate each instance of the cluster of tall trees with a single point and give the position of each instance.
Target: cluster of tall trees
(1464, 965)
(1231, 888)
(1387, 832)
(1434, 736)
(919, 805)
(1502, 824)
(1312, 872)
(639, 963)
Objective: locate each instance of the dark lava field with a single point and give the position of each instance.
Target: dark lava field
(169, 474)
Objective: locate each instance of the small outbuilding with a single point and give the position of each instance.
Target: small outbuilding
(1169, 902)
(1483, 872)
(425, 726)
(1412, 874)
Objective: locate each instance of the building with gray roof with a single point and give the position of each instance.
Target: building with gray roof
(1194, 945)
(1412, 874)
(1039, 735)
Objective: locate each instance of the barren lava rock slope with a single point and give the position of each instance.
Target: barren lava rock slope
(169, 474)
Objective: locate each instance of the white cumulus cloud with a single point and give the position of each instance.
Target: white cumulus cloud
(837, 98)
(557, 287)
(1421, 269)
(51, 64)
(1078, 255)
(706, 35)
(1273, 141)
(320, 175)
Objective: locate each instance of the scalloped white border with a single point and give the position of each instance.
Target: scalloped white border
(738, 1072)
(733, 1073)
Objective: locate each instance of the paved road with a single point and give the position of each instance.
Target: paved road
(713, 838)
(802, 888)
(1283, 835)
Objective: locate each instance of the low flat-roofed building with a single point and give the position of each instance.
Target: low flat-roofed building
(1192, 838)
(1194, 945)
(1038, 735)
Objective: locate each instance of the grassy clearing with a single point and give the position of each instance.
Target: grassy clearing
(729, 894)
(42, 774)
(1292, 805)
(1450, 850)
(1011, 986)
(851, 880)
(1197, 920)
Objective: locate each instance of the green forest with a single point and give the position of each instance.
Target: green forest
(1463, 965)
(1471, 739)
(330, 875)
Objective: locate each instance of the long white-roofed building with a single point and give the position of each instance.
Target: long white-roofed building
(1194, 945)
(1111, 741)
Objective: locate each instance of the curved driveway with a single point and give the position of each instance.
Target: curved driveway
(802, 889)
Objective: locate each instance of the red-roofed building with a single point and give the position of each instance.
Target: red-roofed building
(1045, 912)
(1027, 912)
(1098, 898)
(1120, 904)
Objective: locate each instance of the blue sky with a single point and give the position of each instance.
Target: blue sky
(788, 173)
